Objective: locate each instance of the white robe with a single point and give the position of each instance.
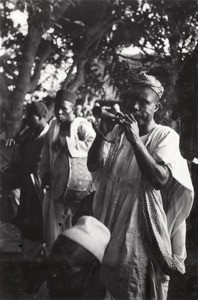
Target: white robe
(63, 166)
(129, 270)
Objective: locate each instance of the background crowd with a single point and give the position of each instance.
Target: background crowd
(137, 193)
(70, 168)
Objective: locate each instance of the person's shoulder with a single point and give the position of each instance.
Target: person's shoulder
(52, 124)
(164, 131)
(80, 121)
(52, 127)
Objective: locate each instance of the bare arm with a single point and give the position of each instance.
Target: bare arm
(95, 158)
(155, 172)
(95, 155)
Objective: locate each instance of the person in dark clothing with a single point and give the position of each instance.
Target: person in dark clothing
(74, 262)
(29, 217)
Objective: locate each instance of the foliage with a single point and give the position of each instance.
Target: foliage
(70, 34)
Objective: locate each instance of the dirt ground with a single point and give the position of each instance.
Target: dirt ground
(15, 280)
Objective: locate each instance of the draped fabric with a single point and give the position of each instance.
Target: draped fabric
(29, 215)
(58, 163)
(154, 226)
(145, 223)
(53, 220)
(64, 166)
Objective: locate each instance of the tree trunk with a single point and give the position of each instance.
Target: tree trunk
(15, 112)
(89, 48)
(3, 103)
(78, 78)
(23, 84)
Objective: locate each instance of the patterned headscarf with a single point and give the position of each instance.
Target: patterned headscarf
(148, 80)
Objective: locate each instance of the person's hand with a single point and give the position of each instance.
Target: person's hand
(10, 142)
(131, 129)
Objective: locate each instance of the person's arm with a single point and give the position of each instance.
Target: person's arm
(44, 166)
(95, 158)
(81, 137)
(86, 135)
(156, 173)
(24, 130)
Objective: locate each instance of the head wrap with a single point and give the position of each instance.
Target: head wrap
(148, 80)
(91, 234)
(37, 108)
(63, 95)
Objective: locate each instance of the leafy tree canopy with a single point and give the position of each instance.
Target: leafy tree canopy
(67, 36)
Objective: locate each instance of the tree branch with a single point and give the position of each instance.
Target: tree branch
(79, 77)
(36, 76)
(36, 29)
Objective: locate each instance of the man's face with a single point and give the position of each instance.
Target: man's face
(68, 280)
(64, 111)
(33, 121)
(142, 105)
(71, 267)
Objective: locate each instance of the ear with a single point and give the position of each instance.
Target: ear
(157, 106)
